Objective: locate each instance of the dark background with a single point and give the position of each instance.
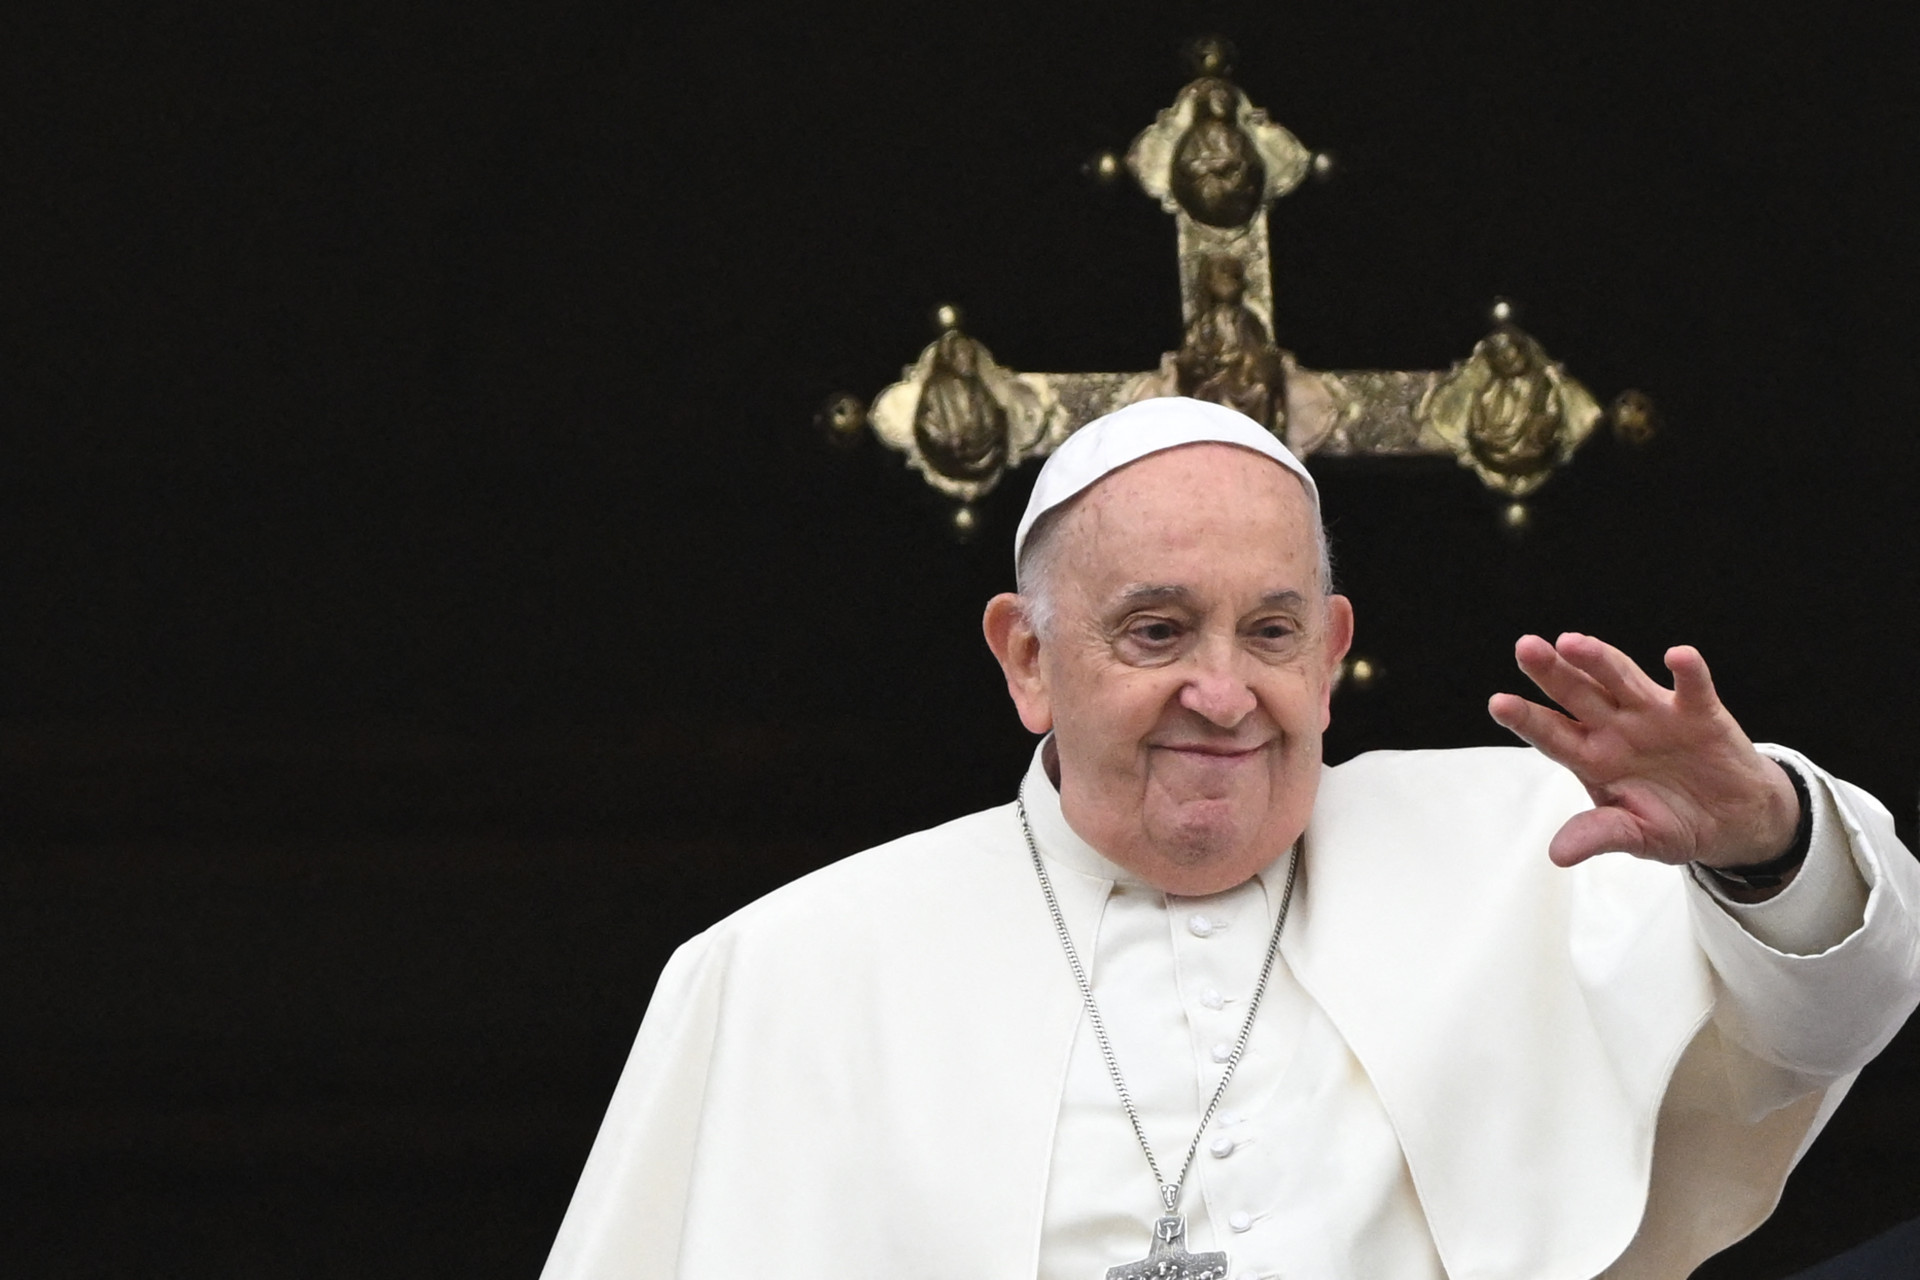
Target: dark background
(424, 599)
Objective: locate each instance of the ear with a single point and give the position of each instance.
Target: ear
(1017, 648)
(1339, 640)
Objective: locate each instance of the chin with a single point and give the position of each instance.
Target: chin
(1201, 839)
(1201, 877)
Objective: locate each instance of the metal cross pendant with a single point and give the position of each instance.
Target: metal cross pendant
(1170, 1260)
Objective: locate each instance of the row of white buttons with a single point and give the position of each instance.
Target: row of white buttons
(1202, 926)
(1205, 927)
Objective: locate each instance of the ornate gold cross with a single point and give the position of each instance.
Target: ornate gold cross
(1217, 163)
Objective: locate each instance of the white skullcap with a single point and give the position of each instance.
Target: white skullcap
(1127, 435)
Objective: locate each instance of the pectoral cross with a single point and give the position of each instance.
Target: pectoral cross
(1217, 163)
(1169, 1259)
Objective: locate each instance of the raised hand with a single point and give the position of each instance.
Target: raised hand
(1672, 775)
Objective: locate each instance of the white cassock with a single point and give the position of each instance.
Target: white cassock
(1470, 1063)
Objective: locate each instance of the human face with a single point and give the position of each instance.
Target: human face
(1187, 673)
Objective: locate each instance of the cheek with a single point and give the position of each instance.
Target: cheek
(1301, 704)
(1113, 711)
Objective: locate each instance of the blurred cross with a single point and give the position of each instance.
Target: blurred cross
(1217, 163)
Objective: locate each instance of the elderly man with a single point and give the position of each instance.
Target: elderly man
(1194, 1005)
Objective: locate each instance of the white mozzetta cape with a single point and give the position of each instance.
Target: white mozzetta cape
(1589, 1070)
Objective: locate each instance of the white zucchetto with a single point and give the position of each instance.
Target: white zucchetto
(1127, 435)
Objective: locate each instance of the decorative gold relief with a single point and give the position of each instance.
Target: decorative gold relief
(960, 418)
(1509, 414)
(1228, 356)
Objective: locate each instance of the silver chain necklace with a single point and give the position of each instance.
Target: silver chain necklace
(1168, 1257)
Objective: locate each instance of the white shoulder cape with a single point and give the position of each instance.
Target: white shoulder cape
(1589, 1070)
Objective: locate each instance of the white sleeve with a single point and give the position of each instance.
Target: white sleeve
(1821, 977)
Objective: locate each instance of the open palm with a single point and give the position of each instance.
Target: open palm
(1672, 775)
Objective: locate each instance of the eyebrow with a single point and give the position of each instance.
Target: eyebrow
(1139, 593)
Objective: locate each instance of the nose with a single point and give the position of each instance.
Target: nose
(1215, 691)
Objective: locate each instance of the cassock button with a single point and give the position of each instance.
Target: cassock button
(1221, 1148)
(1240, 1220)
(1212, 999)
(1200, 926)
(1222, 1051)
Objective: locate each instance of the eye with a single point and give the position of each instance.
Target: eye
(1150, 640)
(1153, 632)
(1274, 631)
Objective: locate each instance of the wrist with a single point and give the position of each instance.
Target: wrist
(1775, 872)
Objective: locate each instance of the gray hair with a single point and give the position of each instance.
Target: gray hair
(1040, 557)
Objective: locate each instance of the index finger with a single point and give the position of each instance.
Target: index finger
(1542, 728)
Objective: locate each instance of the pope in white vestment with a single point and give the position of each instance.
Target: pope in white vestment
(1468, 1061)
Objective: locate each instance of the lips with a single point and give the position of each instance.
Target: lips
(1213, 750)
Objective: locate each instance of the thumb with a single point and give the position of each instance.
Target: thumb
(1602, 830)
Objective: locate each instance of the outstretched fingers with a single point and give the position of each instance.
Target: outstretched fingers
(1583, 696)
(1618, 720)
(1617, 675)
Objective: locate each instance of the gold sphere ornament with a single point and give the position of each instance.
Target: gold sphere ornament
(965, 523)
(1502, 311)
(1105, 167)
(1211, 55)
(947, 317)
(1515, 518)
(1633, 418)
(842, 417)
(1322, 165)
(1361, 672)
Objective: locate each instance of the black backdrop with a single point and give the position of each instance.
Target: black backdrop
(427, 600)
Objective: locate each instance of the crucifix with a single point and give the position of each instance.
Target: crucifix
(1168, 1258)
(1216, 162)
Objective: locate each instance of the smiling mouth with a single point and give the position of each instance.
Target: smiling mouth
(1211, 750)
